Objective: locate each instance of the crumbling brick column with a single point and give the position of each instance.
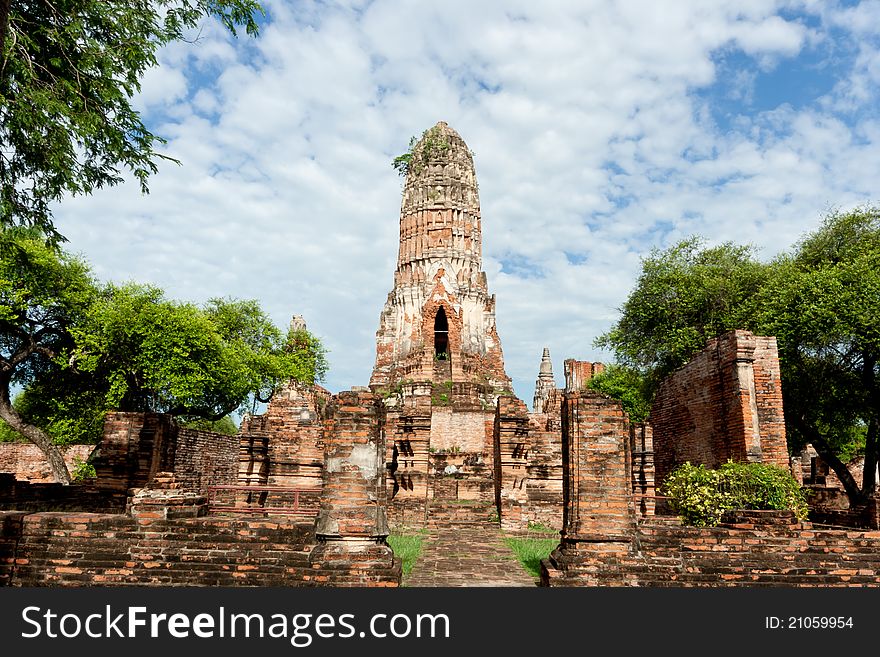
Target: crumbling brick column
(598, 515)
(351, 526)
(724, 404)
(511, 446)
(134, 447)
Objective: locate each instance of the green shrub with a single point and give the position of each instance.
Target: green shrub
(83, 470)
(701, 496)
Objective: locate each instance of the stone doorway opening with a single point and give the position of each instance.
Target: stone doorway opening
(441, 335)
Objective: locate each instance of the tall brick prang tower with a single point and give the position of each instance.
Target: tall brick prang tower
(438, 324)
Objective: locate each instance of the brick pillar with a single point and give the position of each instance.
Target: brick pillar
(351, 526)
(598, 515)
(134, 447)
(737, 356)
(511, 447)
(407, 453)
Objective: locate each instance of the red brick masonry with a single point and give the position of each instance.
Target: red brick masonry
(758, 548)
(83, 549)
(726, 403)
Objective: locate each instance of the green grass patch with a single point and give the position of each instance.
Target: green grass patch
(530, 551)
(407, 548)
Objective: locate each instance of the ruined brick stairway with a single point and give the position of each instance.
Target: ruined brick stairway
(463, 547)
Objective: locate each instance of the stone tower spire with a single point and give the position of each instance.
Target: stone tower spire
(545, 383)
(438, 323)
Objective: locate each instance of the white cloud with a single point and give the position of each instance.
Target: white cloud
(592, 147)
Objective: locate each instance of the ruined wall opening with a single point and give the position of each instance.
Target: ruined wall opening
(441, 335)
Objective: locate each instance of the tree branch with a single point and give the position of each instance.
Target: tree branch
(33, 433)
(4, 26)
(817, 440)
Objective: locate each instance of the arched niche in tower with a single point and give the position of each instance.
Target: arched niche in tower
(441, 335)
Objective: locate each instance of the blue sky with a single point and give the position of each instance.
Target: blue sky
(601, 130)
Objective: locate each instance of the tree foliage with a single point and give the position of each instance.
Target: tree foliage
(684, 296)
(158, 355)
(626, 385)
(68, 72)
(43, 295)
(225, 425)
(821, 301)
(78, 348)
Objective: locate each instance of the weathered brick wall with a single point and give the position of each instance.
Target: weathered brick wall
(458, 431)
(529, 470)
(28, 496)
(136, 446)
(768, 399)
(836, 510)
(578, 373)
(164, 541)
(28, 463)
(131, 449)
(603, 545)
(10, 532)
(284, 446)
(726, 403)
(755, 549)
(60, 549)
(205, 458)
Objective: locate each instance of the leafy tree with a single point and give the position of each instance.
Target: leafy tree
(271, 356)
(43, 294)
(628, 386)
(821, 301)
(225, 425)
(164, 356)
(68, 72)
(66, 404)
(823, 305)
(78, 349)
(684, 296)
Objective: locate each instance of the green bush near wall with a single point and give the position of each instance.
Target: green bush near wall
(701, 495)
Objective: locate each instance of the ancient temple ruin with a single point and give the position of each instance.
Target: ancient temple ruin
(436, 439)
(438, 323)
